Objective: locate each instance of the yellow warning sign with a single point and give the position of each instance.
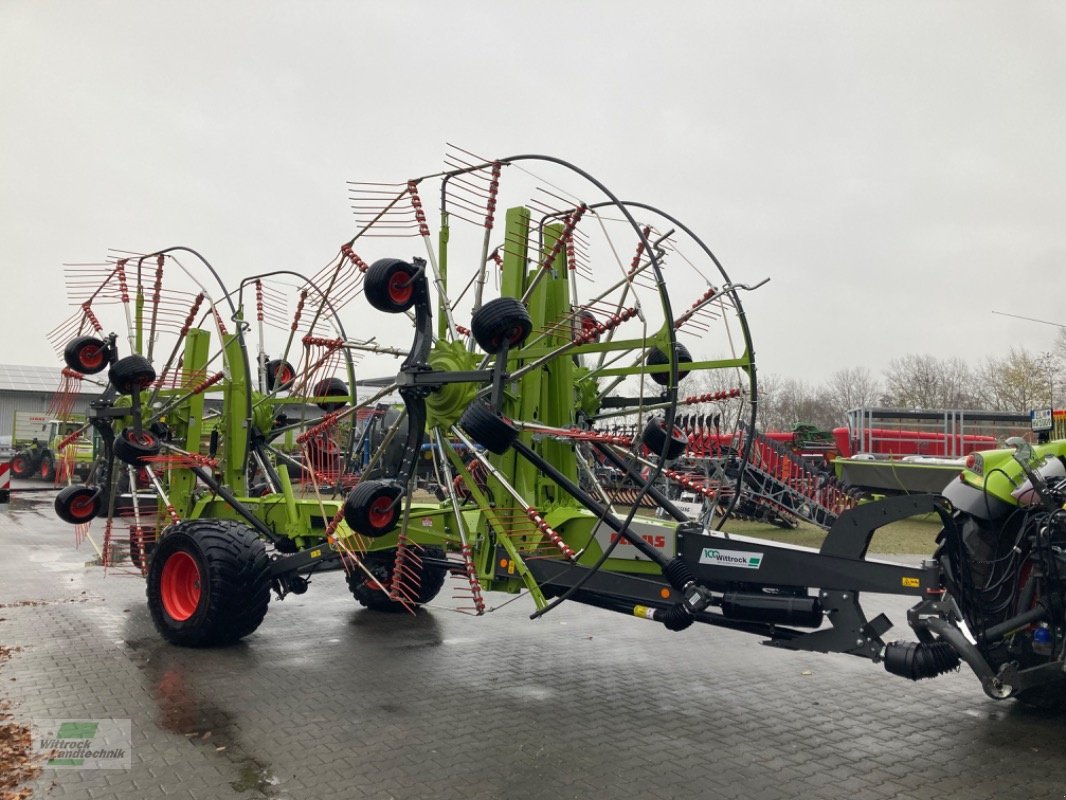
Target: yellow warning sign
(911, 583)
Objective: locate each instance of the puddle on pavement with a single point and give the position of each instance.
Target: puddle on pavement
(534, 693)
(992, 712)
(254, 777)
(183, 712)
(39, 504)
(399, 631)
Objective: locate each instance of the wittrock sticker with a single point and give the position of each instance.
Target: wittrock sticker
(740, 559)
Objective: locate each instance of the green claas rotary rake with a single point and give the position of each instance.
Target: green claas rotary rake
(537, 349)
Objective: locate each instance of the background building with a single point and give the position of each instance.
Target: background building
(32, 389)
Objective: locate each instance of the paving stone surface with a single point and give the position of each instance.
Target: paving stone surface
(327, 700)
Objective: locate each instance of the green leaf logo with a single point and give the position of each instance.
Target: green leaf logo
(77, 730)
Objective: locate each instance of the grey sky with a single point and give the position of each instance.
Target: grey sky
(896, 168)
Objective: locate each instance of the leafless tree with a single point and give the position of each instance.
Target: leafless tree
(853, 387)
(785, 403)
(925, 381)
(1019, 382)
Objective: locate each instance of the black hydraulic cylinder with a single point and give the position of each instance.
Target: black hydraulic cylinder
(804, 612)
(416, 361)
(997, 632)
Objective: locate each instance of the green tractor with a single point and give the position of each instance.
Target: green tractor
(50, 449)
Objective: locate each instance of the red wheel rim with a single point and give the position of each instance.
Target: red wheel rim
(82, 506)
(400, 287)
(18, 464)
(90, 356)
(45, 473)
(143, 438)
(179, 586)
(514, 336)
(380, 513)
(374, 587)
(284, 375)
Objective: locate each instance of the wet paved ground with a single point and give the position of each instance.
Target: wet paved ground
(327, 700)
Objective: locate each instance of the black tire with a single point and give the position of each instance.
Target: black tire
(87, 355)
(330, 387)
(141, 551)
(372, 508)
(78, 504)
(46, 468)
(22, 466)
(657, 357)
(655, 439)
(135, 448)
(132, 373)
(488, 428)
(380, 565)
(208, 582)
(282, 372)
(390, 285)
(504, 318)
